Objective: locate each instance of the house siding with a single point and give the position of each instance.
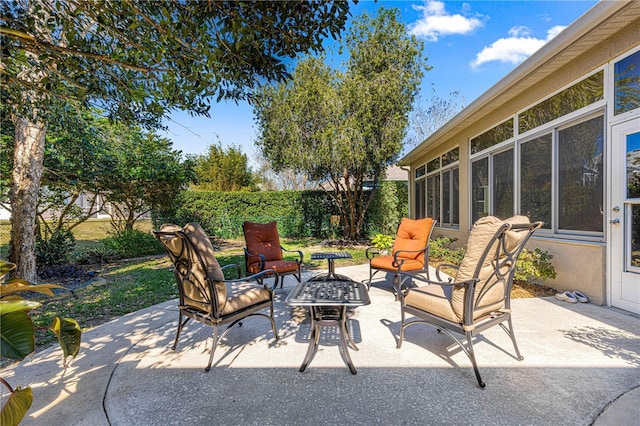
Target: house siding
(580, 262)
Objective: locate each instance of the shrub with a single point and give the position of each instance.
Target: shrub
(440, 249)
(132, 243)
(99, 255)
(382, 241)
(56, 250)
(534, 264)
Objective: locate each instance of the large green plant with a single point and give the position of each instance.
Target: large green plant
(18, 336)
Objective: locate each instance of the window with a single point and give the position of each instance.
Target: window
(419, 211)
(581, 94)
(443, 189)
(535, 179)
(492, 183)
(580, 174)
(627, 84)
(494, 136)
(579, 195)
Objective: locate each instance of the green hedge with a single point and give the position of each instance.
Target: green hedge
(298, 213)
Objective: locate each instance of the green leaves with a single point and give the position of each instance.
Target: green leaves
(344, 128)
(16, 406)
(140, 59)
(17, 336)
(69, 335)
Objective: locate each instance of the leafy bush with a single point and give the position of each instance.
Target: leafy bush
(56, 250)
(99, 255)
(534, 264)
(132, 243)
(382, 241)
(440, 249)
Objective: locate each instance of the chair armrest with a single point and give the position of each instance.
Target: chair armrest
(447, 265)
(372, 252)
(239, 272)
(267, 273)
(400, 262)
(414, 275)
(261, 256)
(300, 254)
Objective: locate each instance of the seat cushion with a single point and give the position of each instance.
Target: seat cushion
(262, 238)
(413, 234)
(386, 263)
(280, 266)
(243, 295)
(432, 299)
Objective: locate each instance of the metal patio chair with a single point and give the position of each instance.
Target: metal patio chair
(479, 297)
(205, 295)
(410, 250)
(263, 251)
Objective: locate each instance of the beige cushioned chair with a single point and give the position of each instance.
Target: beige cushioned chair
(479, 296)
(205, 295)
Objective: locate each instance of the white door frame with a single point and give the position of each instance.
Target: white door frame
(623, 282)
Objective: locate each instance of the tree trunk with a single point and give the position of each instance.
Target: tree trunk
(25, 182)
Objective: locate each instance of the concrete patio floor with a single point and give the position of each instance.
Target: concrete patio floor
(581, 367)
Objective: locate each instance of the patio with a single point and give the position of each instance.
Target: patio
(578, 360)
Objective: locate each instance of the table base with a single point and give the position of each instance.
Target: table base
(329, 317)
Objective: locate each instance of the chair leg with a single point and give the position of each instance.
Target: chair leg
(213, 347)
(396, 286)
(273, 323)
(401, 339)
(473, 359)
(180, 325)
(512, 335)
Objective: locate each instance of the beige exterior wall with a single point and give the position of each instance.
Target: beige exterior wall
(580, 265)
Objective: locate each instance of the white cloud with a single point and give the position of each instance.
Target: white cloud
(436, 21)
(514, 49)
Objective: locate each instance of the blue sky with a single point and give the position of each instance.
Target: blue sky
(470, 45)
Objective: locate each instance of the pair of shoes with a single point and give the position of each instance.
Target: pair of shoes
(581, 297)
(567, 296)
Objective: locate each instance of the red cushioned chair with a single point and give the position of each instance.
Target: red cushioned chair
(410, 250)
(263, 251)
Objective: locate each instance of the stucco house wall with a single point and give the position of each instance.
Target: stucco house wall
(609, 30)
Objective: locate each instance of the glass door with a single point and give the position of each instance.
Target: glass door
(624, 217)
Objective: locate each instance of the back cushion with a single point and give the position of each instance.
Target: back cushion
(481, 234)
(262, 238)
(413, 234)
(198, 237)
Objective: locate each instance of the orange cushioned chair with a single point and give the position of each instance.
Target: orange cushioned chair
(263, 251)
(410, 250)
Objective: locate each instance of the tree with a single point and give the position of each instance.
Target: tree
(426, 119)
(287, 179)
(141, 172)
(224, 170)
(137, 60)
(346, 128)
